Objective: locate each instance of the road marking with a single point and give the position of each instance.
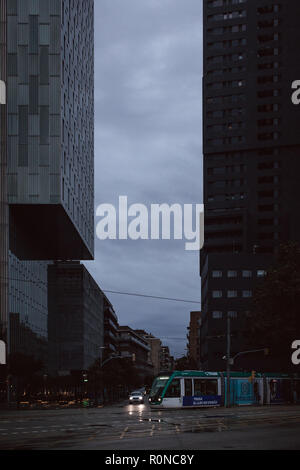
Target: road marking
(152, 430)
(124, 432)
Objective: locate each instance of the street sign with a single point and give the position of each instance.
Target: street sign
(2, 353)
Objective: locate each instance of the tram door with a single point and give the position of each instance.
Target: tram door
(280, 391)
(188, 392)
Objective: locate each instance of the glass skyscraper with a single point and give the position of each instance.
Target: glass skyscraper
(47, 155)
(50, 83)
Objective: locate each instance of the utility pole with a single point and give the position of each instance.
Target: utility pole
(228, 364)
(101, 374)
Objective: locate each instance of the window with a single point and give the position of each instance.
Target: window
(231, 294)
(247, 273)
(44, 125)
(44, 65)
(188, 387)
(247, 293)
(217, 315)
(231, 273)
(33, 34)
(216, 274)
(205, 387)
(198, 387)
(232, 314)
(173, 390)
(217, 294)
(261, 273)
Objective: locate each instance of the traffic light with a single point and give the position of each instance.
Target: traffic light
(85, 377)
(133, 357)
(252, 376)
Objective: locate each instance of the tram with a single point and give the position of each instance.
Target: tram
(198, 389)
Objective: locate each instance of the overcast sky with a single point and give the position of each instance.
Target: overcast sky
(148, 146)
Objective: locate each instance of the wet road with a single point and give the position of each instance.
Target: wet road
(125, 426)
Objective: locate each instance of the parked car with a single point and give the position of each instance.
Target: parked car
(136, 397)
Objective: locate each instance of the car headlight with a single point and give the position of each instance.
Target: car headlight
(140, 398)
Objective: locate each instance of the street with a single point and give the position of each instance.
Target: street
(136, 427)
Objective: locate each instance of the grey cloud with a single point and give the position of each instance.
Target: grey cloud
(148, 146)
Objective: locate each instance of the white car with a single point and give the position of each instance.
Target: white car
(136, 397)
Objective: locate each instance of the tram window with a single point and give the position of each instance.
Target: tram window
(173, 390)
(188, 387)
(199, 387)
(211, 387)
(205, 387)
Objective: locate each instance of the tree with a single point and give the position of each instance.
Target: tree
(116, 374)
(275, 316)
(25, 369)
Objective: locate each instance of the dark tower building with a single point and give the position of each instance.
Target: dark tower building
(4, 220)
(75, 319)
(251, 145)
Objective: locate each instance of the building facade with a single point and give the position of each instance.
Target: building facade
(166, 360)
(75, 318)
(28, 307)
(193, 336)
(134, 345)
(155, 350)
(251, 146)
(4, 220)
(111, 327)
(47, 155)
(50, 108)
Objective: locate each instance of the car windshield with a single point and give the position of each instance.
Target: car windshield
(136, 394)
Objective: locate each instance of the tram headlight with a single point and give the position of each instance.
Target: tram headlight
(159, 399)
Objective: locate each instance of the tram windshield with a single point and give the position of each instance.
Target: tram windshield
(158, 386)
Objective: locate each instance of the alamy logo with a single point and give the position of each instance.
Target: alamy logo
(296, 94)
(162, 221)
(2, 92)
(2, 353)
(296, 354)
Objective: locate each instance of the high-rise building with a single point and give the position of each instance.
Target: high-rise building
(193, 336)
(251, 147)
(75, 318)
(50, 108)
(4, 221)
(47, 155)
